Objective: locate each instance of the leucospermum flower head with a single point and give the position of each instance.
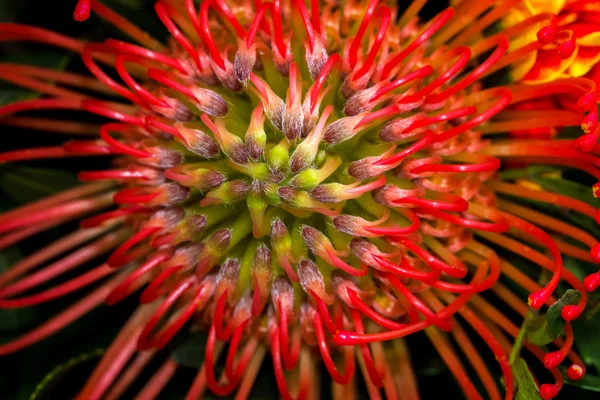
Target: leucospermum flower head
(308, 182)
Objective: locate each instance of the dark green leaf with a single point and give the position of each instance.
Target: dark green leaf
(588, 340)
(190, 352)
(13, 319)
(11, 93)
(526, 387)
(59, 375)
(588, 382)
(25, 184)
(544, 329)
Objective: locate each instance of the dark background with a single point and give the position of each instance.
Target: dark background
(81, 342)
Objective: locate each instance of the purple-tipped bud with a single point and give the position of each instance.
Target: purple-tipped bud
(189, 229)
(352, 225)
(256, 138)
(242, 310)
(229, 192)
(196, 178)
(227, 277)
(317, 58)
(273, 105)
(199, 142)
(245, 58)
(351, 85)
(387, 194)
(328, 193)
(342, 129)
(302, 157)
(187, 255)
(278, 231)
(231, 144)
(315, 240)
(293, 122)
(312, 280)
(170, 194)
(364, 251)
(209, 102)
(367, 168)
(340, 285)
(161, 156)
(282, 294)
(397, 129)
(220, 239)
(360, 102)
(261, 270)
(175, 110)
(227, 76)
(165, 218)
(287, 193)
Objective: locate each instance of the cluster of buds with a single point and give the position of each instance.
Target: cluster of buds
(305, 179)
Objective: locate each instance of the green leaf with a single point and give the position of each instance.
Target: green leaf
(588, 340)
(58, 376)
(544, 329)
(12, 320)
(190, 352)
(51, 59)
(526, 387)
(588, 382)
(25, 184)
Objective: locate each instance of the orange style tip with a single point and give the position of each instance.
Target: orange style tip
(587, 101)
(595, 253)
(570, 313)
(566, 49)
(575, 372)
(82, 11)
(586, 142)
(553, 360)
(548, 391)
(546, 34)
(595, 188)
(537, 299)
(591, 282)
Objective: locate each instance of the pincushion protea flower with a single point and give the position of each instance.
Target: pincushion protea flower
(314, 181)
(566, 47)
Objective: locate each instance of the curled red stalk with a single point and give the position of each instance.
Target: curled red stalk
(349, 363)
(135, 195)
(279, 375)
(108, 110)
(383, 26)
(213, 385)
(163, 11)
(127, 285)
(374, 375)
(128, 48)
(153, 290)
(318, 85)
(370, 313)
(136, 87)
(290, 355)
(475, 75)
(440, 20)
(310, 32)
(144, 340)
(458, 271)
(117, 146)
(356, 42)
(120, 256)
(99, 219)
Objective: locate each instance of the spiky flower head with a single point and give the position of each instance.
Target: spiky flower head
(314, 181)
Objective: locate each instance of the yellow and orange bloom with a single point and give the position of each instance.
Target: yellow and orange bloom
(310, 180)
